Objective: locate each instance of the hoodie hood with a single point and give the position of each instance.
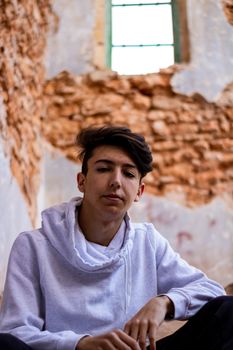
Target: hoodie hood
(60, 228)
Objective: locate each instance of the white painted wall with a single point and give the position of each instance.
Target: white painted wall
(211, 41)
(59, 179)
(71, 47)
(14, 213)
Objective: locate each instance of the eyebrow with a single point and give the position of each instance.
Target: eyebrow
(110, 162)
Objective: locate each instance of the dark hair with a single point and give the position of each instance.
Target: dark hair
(133, 144)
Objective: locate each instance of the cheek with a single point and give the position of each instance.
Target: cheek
(132, 190)
(98, 183)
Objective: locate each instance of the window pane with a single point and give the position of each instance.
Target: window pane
(118, 2)
(142, 25)
(141, 60)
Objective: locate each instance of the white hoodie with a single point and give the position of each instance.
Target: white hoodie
(55, 293)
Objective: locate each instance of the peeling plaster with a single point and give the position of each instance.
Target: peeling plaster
(58, 186)
(13, 209)
(74, 48)
(14, 213)
(211, 45)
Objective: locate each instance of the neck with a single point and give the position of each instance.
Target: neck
(98, 230)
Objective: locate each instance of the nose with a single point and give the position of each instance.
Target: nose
(115, 180)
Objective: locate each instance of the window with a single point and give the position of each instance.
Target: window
(141, 35)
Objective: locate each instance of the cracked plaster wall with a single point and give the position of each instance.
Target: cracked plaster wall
(208, 245)
(14, 211)
(211, 47)
(72, 46)
(23, 25)
(78, 56)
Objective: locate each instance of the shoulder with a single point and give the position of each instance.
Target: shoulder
(145, 227)
(27, 240)
(147, 231)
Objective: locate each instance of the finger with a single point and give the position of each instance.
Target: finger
(133, 329)
(142, 334)
(127, 328)
(152, 344)
(107, 345)
(132, 343)
(121, 345)
(152, 336)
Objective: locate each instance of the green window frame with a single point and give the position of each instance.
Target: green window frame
(175, 25)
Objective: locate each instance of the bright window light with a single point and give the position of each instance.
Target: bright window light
(142, 36)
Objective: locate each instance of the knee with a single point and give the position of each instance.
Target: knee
(223, 299)
(217, 306)
(6, 339)
(225, 307)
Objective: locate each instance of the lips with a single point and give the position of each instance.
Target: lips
(113, 196)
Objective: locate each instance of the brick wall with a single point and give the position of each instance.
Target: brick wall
(23, 27)
(191, 139)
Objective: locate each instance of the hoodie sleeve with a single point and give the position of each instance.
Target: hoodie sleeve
(22, 311)
(187, 287)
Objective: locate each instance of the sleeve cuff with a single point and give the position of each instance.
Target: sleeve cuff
(181, 304)
(70, 342)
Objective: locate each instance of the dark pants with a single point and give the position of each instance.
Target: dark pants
(9, 342)
(210, 329)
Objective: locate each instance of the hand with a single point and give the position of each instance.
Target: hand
(147, 321)
(116, 339)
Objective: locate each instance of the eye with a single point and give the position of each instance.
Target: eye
(129, 174)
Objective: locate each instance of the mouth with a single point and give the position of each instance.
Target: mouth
(113, 197)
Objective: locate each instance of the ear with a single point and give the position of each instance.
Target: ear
(140, 192)
(81, 182)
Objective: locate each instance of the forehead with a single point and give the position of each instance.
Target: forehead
(113, 154)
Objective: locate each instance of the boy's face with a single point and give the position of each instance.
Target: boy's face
(112, 183)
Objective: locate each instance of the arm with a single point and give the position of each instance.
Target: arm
(187, 287)
(182, 291)
(23, 310)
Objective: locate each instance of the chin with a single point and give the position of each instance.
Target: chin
(114, 212)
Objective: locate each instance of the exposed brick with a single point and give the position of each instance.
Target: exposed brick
(102, 104)
(166, 146)
(154, 115)
(224, 144)
(180, 171)
(189, 137)
(140, 101)
(228, 9)
(23, 32)
(166, 103)
(160, 128)
(185, 128)
(201, 145)
(210, 126)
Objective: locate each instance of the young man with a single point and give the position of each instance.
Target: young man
(91, 279)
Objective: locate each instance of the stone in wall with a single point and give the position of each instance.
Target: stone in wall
(23, 27)
(191, 139)
(228, 10)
